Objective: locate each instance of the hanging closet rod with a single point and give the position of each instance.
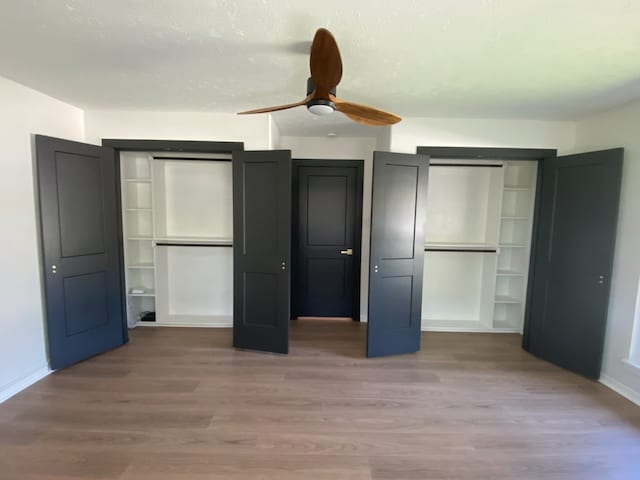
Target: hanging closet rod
(468, 250)
(490, 165)
(185, 244)
(194, 158)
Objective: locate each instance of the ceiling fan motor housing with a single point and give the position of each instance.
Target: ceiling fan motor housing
(319, 106)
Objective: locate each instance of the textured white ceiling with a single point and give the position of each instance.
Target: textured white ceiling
(544, 59)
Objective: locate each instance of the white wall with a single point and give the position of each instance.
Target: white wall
(22, 340)
(619, 128)
(457, 132)
(253, 130)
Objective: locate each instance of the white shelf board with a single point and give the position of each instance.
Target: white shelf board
(140, 238)
(461, 246)
(507, 217)
(194, 240)
(513, 245)
(147, 293)
(138, 180)
(462, 325)
(139, 210)
(141, 266)
(506, 299)
(510, 273)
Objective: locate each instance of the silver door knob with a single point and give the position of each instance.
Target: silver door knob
(54, 269)
(375, 268)
(348, 251)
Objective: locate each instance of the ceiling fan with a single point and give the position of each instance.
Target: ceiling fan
(326, 72)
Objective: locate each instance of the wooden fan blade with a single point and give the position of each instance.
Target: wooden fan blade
(325, 63)
(279, 107)
(364, 114)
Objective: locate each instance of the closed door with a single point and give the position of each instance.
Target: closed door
(82, 257)
(574, 259)
(328, 240)
(397, 252)
(261, 250)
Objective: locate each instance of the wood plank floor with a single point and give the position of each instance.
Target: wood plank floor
(181, 404)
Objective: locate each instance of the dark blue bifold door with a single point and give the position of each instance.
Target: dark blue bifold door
(577, 219)
(261, 250)
(397, 251)
(79, 218)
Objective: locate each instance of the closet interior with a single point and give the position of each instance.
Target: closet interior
(178, 233)
(477, 244)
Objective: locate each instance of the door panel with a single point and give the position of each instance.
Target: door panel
(397, 251)
(261, 250)
(574, 260)
(82, 267)
(328, 240)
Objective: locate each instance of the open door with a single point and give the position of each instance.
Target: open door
(574, 259)
(397, 252)
(81, 245)
(261, 250)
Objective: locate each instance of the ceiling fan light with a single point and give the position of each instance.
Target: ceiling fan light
(321, 109)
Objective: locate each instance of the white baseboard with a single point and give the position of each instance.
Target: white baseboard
(469, 330)
(186, 324)
(16, 387)
(620, 388)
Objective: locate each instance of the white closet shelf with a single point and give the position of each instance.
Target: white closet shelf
(459, 246)
(148, 292)
(213, 241)
(142, 266)
(513, 245)
(140, 238)
(138, 180)
(506, 299)
(514, 217)
(510, 273)
(139, 210)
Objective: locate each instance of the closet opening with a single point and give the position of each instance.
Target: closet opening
(481, 206)
(177, 232)
(326, 239)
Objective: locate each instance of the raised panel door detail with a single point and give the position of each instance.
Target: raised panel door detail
(260, 208)
(85, 302)
(261, 289)
(326, 210)
(80, 206)
(400, 211)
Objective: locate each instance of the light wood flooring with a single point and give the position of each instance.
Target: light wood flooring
(182, 404)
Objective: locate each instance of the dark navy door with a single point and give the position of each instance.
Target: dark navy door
(328, 244)
(82, 258)
(261, 250)
(573, 260)
(397, 252)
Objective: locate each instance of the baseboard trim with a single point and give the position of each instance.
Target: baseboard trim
(621, 389)
(469, 330)
(189, 325)
(19, 385)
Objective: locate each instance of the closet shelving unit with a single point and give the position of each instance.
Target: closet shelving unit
(477, 240)
(177, 215)
(516, 224)
(137, 216)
